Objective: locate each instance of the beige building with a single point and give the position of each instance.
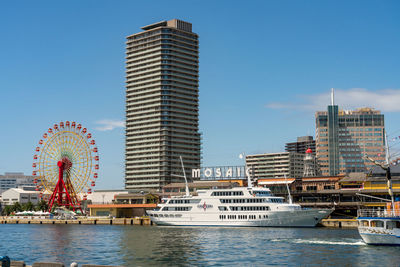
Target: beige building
(22, 195)
(162, 119)
(344, 137)
(276, 165)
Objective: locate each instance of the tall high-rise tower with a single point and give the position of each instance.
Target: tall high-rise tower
(343, 138)
(162, 104)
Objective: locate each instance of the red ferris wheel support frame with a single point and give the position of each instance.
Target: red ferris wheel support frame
(61, 193)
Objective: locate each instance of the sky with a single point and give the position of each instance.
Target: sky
(265, 68)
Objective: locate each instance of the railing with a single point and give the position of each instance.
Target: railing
(378, 213)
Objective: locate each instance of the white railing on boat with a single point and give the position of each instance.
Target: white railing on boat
(378, 213)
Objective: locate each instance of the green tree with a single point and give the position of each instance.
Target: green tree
(42, 205)
(16, 207)
(6, 210)
(27, 206)
(55, 205)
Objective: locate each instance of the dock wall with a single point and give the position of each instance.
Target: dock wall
(336, 223)
(339, 223)
(86, 221)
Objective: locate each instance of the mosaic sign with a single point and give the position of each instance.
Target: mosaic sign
(221, 173)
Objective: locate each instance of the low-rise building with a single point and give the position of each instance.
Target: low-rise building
(102, 196)
(276, 165)
(120, 203)
(22, 195)
(126, 205)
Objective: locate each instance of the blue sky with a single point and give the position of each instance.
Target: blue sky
(265, 68)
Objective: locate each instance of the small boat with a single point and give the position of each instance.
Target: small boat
(380, 227)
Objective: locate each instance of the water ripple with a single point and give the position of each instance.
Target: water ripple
(191, 246)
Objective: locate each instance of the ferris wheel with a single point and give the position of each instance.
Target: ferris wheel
(66, 164)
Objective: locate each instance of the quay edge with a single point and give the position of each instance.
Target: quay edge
(335, 223)
(86, 221)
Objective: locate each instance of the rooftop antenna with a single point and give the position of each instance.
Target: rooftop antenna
(332, 96)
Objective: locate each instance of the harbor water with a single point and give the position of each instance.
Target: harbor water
(191, 246)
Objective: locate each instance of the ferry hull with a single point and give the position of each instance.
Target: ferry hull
(380, 239)
(297, 218)
(379, 230)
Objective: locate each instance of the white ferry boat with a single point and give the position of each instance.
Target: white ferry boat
(378, 227)
(237, 206)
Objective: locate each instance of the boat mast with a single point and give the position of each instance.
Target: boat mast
(287, 186)
(386, 167)
(184, 175)
(249, 183)
(388, 174)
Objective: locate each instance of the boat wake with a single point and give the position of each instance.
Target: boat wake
(347, 242)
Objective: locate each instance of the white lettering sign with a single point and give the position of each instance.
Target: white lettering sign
(218, 172)
(195, 173)
(207, 172)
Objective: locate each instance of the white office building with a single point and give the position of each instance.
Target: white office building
(22, 195)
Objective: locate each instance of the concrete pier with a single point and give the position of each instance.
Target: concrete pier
(336, 223)
(86, 221)
(339, 223)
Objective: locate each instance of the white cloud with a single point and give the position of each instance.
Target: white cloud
(386, 100)
(108, 125)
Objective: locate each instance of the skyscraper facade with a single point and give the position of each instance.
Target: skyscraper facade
(302, 145)
(162, 105)
(343, 138)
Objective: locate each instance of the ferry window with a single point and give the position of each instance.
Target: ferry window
(376, 224)
(397, 224)
(390, 225)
